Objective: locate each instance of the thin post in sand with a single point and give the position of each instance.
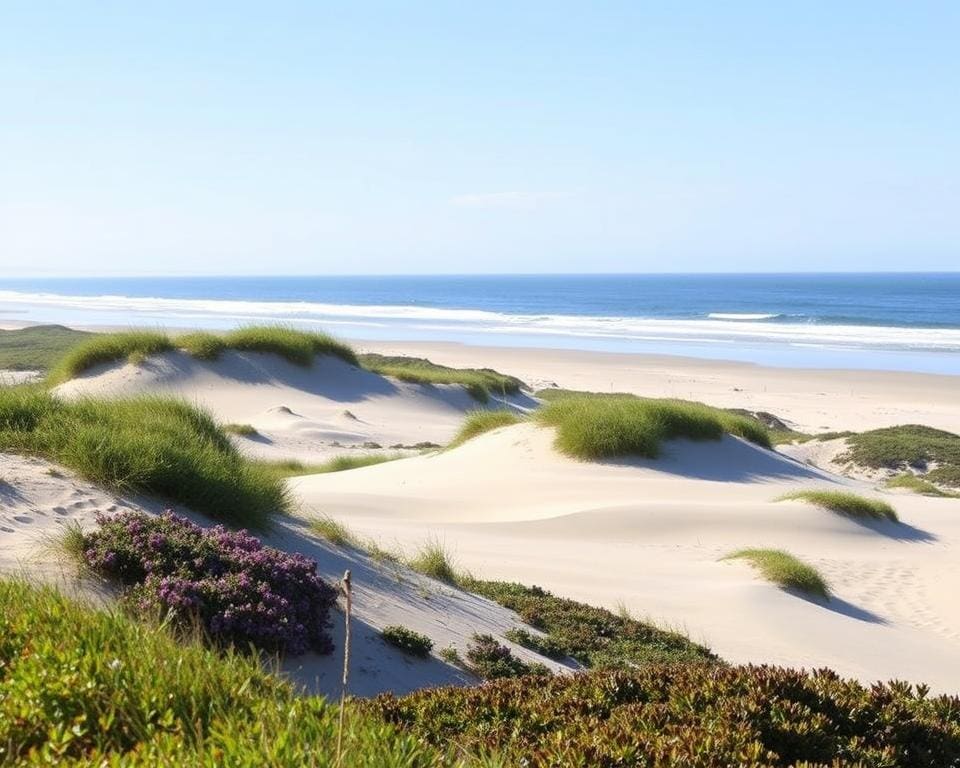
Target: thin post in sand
(347, 592)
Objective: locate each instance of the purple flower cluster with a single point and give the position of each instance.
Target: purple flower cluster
(240, 591)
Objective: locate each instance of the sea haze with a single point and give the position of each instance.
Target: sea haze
(883, 321)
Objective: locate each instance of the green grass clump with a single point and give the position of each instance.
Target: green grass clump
(85, 687)
(242, 430)
(479, 382)
(934, 452)
(919, 485)
(434, 560)
(102, 348)
(202, 345)
(298, 347)
(148, 445)
(845, 503)
(408, 641)
(293, 468)
(784, 570)
(334, 531)
(686, 715)
(477, 422)
(36, 348)
(595, 428)
(595, 637)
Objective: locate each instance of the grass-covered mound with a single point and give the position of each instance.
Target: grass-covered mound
(477, 422)
(36, 348)
(84, 687)
(236, 590)
(933, 452)
(686, 715)
(845, 503)
(595, 637)
(593, 428)
(784, 570)
(298, 347)
(479, 382)
(147, 444)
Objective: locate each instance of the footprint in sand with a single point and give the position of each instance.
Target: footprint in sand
(60, 511)
(6, 530)
(23, 519)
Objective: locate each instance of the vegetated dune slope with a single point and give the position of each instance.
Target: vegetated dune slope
(37, 498)
(650, 534)
(299, 413)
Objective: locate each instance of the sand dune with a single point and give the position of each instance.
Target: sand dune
(301, 413)
(650, 534)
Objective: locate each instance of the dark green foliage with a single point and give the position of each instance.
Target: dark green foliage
(909, 446)
(687, 715)
(478, 422)
(545, 645)
(407, 640)
(595, 637)
(36, 348)
(479, 382)
(492, 660)
(606, 427)
(83, 687)
(845, 503)
(147, 444)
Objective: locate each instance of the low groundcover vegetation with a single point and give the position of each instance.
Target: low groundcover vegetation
(784, 570)
(481, 383)
(845, 503)
(240, 592)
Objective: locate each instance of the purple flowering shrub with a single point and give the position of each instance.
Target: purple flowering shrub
(241, 592)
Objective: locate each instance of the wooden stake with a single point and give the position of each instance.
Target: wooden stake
(347, 592)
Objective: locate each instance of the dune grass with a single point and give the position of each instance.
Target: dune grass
(103, 348)
(594, 428)
(479, 382)
(933, 452)
(919, 485)
(784, 570)
(433, 559)
(295, 346)
(293, 468)
(87, 687)
(845, 503)
(151, 445)
(477, 422)
(335, 532)
(36, 348)
(242, 430)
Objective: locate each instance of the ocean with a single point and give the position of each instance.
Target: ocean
(907, 321)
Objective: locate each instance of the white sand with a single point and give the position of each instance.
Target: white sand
(647, 534)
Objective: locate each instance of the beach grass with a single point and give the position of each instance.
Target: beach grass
(935, 453)
(334, 531)
(201, 345)
(37, 347)
(476, 423)
(481, 383)
(919, 485)
(91, 687)
(433, 559)
(103, 348)
(152, 445)
(595, 428)
(241, 430)
(784, 570)
(285, 468)
(845, 503)
(295, 346)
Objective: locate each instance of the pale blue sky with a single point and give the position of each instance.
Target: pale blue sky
(310, 137)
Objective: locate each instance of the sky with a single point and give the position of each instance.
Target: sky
(495, 137)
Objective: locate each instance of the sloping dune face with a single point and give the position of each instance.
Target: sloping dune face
(299, 413)
(650, 535)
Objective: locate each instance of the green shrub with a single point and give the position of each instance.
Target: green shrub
(478, 422)
(784, 570)
(845, 503)
(595, 428)
(687, 715)
(202, 345)
(595, 637)
(491, 660)
(407, 640)
(908, 446)
(84, 687)
(545, 645)
(108, 348)
(298, 347)
(479, 382)
(148, 445)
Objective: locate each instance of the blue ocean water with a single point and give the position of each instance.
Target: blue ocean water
(896, 321)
